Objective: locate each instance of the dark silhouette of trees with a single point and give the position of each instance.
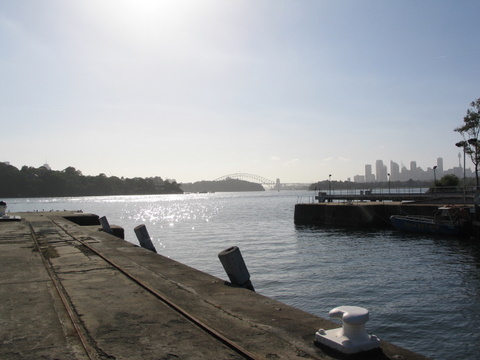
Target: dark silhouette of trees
(449, 180)
(470, 131)
(448, 183)
(42, 182)
(227, 185)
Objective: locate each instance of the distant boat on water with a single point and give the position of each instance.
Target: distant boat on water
(449, 220)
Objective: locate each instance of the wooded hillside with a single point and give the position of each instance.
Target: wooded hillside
(42, 182)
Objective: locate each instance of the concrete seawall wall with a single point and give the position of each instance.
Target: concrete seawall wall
(352, 215)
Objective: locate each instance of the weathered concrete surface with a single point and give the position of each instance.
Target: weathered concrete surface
(33, 322)
(120, 320)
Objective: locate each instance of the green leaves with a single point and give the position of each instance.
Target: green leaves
(470, 130)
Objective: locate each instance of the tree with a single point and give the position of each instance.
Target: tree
(30, 181)
(449, 180)
(447, 183)
(72, 171)
(470, 131)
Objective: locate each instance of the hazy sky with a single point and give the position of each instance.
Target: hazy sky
(194, 90)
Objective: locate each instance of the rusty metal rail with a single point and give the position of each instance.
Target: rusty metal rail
(89, 349)
(91, 352)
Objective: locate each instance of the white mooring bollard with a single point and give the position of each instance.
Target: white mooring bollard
(235, 267)
(143, 238)
(351, 338)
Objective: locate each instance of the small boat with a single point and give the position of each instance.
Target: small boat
(450, 220)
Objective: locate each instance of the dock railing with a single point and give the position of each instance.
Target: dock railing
(455, 194)
(306, 199)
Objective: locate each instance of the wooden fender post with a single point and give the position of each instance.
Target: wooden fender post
(105, 225)
(235, 267)
(144, 238)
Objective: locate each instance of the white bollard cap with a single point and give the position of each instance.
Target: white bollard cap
(353, 315)
(351, 338)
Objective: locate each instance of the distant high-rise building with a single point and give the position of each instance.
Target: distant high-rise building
(359, 178)
(439, 165)
(381, 171)
(394, 171)
(369, 177)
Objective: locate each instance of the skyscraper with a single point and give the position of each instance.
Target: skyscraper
(369, 177)
(381, 171)
(394, 171)
(439, 165)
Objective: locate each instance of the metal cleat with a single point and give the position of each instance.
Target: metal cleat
(351, 338)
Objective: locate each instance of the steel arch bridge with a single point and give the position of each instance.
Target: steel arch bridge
(248, 177)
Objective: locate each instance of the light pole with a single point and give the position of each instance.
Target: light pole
(435, 176)
(463, 144)
(330, 184)
(388, 174)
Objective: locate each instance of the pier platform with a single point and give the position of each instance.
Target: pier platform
(421, 197)
(71, 291)
(361, 214)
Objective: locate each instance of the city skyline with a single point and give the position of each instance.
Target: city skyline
(402, 173)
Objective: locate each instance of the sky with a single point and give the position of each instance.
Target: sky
(194, 90)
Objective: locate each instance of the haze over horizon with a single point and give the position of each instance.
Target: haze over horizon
(195, 90)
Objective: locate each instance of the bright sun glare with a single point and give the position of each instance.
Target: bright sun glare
(142, 21)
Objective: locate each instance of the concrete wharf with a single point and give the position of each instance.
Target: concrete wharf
(361, 214)
(430, 197)
(71, 291)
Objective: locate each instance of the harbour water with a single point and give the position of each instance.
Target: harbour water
(423, 292)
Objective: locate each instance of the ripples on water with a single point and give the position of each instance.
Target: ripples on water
(422, 291)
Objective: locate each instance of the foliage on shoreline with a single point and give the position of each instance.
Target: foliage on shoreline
(470, 131)
(42, 182)
(227, 185)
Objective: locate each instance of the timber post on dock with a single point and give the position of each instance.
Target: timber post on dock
(70, 291)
